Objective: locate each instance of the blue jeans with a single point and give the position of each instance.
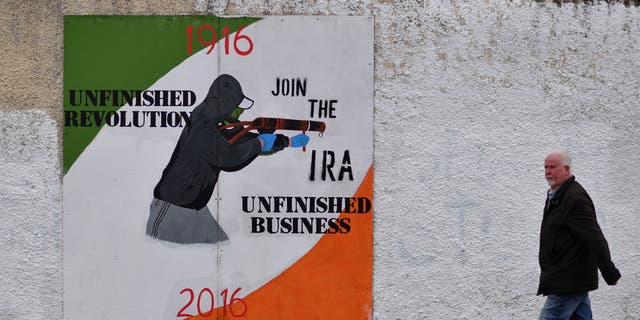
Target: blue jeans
(566, 307)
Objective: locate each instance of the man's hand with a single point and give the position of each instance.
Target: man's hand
(612, 276)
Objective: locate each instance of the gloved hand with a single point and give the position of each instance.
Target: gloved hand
(267, 140)
(299, 140)
(273, 142)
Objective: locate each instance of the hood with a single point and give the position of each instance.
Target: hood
(225, 94)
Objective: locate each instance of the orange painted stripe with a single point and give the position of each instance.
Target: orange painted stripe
(332, 281)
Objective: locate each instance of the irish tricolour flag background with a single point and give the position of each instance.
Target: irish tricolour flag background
(115, 150)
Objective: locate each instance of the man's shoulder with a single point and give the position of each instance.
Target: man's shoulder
(575, 193)
(575, 187)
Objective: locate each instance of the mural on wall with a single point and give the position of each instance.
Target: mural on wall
(218, 168)
(213, 140)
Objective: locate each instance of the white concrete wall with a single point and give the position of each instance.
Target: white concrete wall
(30, 216)
(469, 98)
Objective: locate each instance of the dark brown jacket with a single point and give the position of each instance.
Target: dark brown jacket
(572, 246)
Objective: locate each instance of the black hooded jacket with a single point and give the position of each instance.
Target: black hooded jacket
(203, 149)
(572, 246)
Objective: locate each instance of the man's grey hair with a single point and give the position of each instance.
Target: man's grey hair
(565, 158)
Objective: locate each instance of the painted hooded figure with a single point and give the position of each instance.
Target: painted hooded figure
(203, 150)
(179, 211)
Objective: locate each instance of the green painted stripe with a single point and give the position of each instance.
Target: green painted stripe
(124, 52)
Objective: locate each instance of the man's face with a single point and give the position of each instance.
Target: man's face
(554, 171)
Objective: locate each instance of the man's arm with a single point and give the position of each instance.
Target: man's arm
(582, 223)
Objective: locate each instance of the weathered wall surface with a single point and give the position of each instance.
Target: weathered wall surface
(468, 100)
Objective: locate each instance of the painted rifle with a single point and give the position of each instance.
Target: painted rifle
(270, 125)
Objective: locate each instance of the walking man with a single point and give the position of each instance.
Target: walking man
(572, 246)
